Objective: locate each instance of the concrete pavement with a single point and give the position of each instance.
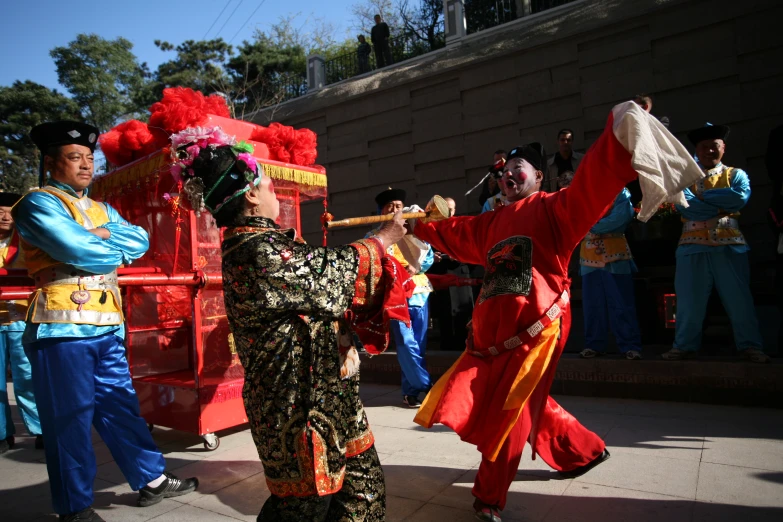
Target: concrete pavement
(670, 462)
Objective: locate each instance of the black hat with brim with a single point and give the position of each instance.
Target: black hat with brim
(533, 153)
(9, 199)
(389, 195)
(709, 132)
(58, 133)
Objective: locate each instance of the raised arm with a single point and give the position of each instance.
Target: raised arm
(602, 174)
(618, 218)
(43, 222)
(633, 143)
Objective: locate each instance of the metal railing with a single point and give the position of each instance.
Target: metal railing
(401, 47)
(289, 86)
(536, 6)
(480, 16)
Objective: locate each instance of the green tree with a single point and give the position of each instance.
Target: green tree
(102, 76)
(23, 106)
(198, 65)
(272, 67)
(264, 72)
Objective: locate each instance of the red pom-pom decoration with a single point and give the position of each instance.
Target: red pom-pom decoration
(287, 144)
(182, 108)
(127, 142)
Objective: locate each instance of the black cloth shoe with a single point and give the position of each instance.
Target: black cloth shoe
(581, 470)
(85, 515)
(7, 444)
(411, 401)
(171, 487)
(39, 442)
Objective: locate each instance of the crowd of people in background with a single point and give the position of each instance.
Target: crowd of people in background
(712, 252)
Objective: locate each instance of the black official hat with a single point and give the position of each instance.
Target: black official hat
(9, 199)
(533, 153)
(388, 195)
(64, 132)
(709, 132)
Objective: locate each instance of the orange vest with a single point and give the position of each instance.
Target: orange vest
(65, 294)
(720, 230)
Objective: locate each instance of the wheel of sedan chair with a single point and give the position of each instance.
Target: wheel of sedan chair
(211, 442)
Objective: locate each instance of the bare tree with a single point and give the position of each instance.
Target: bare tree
(423, 21)
(364, 15)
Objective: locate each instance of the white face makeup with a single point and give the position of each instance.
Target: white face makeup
(520, 179)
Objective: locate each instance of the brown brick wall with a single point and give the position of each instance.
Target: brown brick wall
(430, 125)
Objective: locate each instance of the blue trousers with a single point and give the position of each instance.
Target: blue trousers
(608, 301)
(84, 382)
(411, 348)
(12, 352)
(694, 278)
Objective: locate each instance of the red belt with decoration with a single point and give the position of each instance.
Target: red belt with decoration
(550, 316)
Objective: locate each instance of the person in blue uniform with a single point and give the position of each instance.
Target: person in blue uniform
(411, 342)
(607, 268)
(713, 252)
(12, 314)
(74, 334)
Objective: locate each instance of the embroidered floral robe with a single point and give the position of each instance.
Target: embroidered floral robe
(285, 302)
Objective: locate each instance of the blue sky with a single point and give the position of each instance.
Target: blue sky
(29, 30)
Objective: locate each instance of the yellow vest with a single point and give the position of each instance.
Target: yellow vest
(598, 250)
(12, 311)
(720, 230)
(421, 280)
(65, 294)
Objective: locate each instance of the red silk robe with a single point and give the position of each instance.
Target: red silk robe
(527, 246)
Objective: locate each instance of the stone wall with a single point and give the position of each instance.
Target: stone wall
(431, 124)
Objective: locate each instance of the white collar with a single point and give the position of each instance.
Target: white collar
(717, 169)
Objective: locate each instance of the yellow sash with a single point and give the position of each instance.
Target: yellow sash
(53, 302)
(712, 232)
(598, 250)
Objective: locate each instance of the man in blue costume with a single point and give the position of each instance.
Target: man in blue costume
(12, 314)
(74, 335)
(713, 252)
(607, 283)
(411, 342)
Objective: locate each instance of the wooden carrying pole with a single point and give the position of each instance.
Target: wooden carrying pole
(440, 210)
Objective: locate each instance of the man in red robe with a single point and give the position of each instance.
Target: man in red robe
(496, 395)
